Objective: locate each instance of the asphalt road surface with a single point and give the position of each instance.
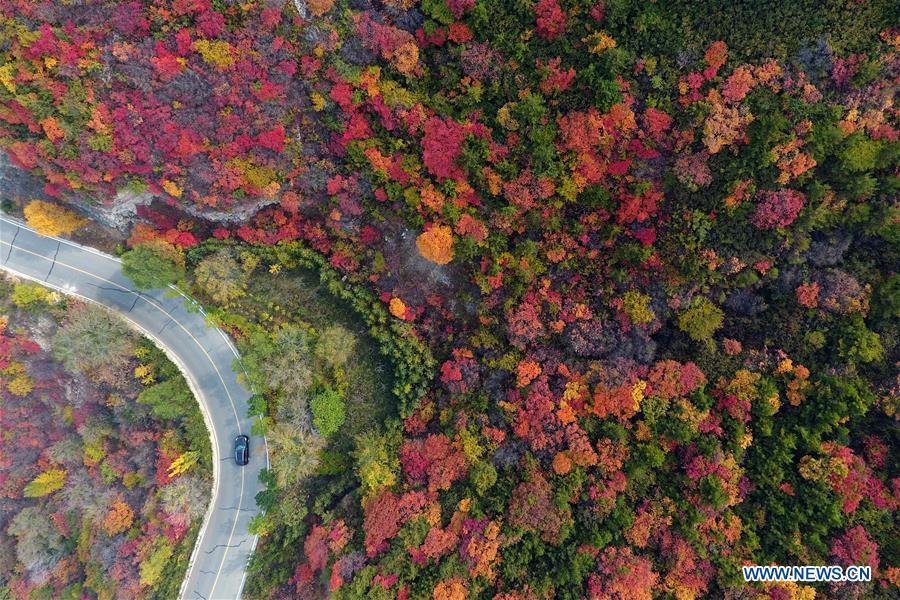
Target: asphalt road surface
(204, 355)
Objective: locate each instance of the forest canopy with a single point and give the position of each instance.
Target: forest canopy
(538, 298)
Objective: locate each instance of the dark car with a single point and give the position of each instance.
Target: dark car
(242, 450)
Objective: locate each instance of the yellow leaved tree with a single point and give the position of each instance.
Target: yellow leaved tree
(51, 219)
(183, 463)
(46, 483)
(20, 385)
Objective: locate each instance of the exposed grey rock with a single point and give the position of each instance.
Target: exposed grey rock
(121, 213)
(300, 5)
(239, 214)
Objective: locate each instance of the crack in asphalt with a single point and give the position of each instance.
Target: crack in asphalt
(236, 508)
(12, 244)
(163, 328)
(53, 264)
(114, 289)
(138, 295)
(217, 546)
(200, 595)
(106, 288)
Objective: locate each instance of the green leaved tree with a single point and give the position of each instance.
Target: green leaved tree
(153, 264)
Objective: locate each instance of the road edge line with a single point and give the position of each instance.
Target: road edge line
(231, 346)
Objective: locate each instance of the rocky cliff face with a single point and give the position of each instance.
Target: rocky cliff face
(119, 212)
(239, 214)
(16, 183)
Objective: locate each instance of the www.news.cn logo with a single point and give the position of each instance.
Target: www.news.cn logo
(806, 573)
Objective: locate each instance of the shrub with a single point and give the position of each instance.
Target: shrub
(328, 411)
(221, 276)
(51, 219)
(30, 295)
(436, 245)
(92, 340)
(154, 264)
(701, 320)
(335, 345)
(777, 209)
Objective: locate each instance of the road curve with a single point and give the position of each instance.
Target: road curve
(205, 356)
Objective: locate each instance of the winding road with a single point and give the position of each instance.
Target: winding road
(205, 356)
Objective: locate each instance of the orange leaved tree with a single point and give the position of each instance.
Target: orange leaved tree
(436, 244)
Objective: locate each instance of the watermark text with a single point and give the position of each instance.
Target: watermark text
(806, 573)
